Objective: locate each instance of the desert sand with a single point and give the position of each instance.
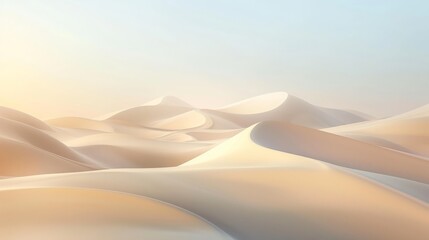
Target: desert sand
(269, 167)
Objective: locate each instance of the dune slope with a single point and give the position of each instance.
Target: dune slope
(256, 203)
(64, 213)
(315, 144)
(285, 107)
(271, 167)
(408, 132)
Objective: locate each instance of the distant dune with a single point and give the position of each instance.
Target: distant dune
(10, 114)
(284, 107)
(269, 167)
(408, 132)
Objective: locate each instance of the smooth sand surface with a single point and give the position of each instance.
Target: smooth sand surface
(24, 118)
(70, 213)
(253, 203)
(269, 167)
(285, 107)
(408, 132)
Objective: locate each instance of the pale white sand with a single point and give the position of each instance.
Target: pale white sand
(408, 132)
(269, 167)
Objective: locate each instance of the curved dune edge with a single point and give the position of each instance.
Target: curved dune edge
(120, 150)
(284, 107)
(339, 150)
(178, 137)
(255, 105)
(252, 203)
(257, 169)
(166, 100)
(63, 213)
(137, 137)
(23, 118)
(155, 110)
(313, 144)
(242, 151)
(213, 134)
(410, 188)
(19, 159)
(187, 120)
(408, 132)
(36, 138)
(81, 123)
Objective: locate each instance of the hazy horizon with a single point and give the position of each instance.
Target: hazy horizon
(295, 160)
(89, 58)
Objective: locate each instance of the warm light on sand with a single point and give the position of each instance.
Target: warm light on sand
(269, 167)
(169, 120)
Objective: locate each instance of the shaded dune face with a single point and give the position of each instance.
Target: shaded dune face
(35, 138)
(188, 120)
(147, 115)
(25, 150)
(165, 132)
(64, 213)
(285, 107)
(408, 132)
(156, 110)
(18, 159)
(339, 150)
(270, 167)
(23, 118)
(253, 203)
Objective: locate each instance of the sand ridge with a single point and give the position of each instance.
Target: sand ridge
(269, 167)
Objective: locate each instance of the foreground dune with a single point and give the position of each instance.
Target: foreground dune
(269, 167)
(314, 144)
(253, 203)
(65, 213)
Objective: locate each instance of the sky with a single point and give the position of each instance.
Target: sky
(91, 57)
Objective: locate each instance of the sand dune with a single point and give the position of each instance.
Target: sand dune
(339, 150)
(421, 112)
(139, 131)
(81, 123)
(242, 151)
(25, 150)
(35, 138)
(119, 150)
(269, 167)
(274, 106)
(65, 213)
(78, 144)
(415, 189)
(408, 132)
(168, 101)
(155, 110)
(147, 115)
(253, 203)
(213, 134)
(20, 159)
(314, 144)
(220, 123)
(178, 137)
(24, 118)
(284, 107)
(187, 120)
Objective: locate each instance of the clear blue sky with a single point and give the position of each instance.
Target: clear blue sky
(91, 57)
